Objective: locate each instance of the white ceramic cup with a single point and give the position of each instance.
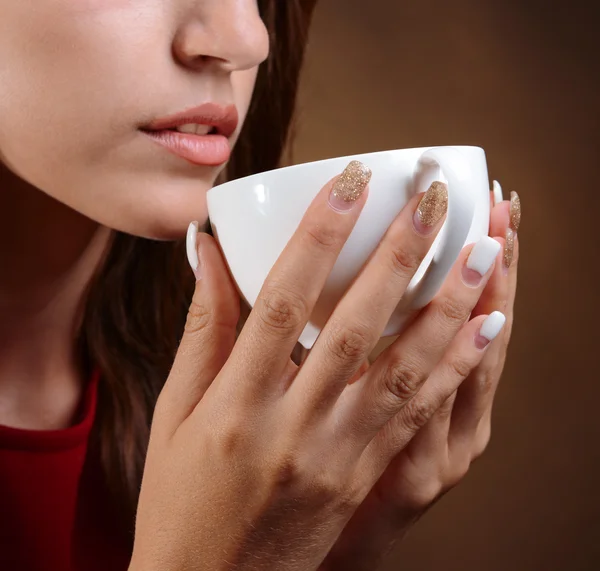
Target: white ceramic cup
(253, 218)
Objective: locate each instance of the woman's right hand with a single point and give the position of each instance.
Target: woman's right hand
(255, 463)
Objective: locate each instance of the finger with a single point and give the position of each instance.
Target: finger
(292, 287)
(499, 219)
(497, 196)
(360, 317)
(512, 254)
(484, 429)
(505, 217)
(495, 295)
(474, 395)
(402, 368)
(500, 291)
(209, 332)
(465, 352)
(505, 221)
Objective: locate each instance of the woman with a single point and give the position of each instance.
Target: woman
(115, 118)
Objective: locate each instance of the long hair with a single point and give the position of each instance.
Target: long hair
(135, 308)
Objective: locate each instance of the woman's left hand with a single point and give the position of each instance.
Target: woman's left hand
(439, 456)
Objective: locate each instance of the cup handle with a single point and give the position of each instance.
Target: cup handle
(436, 164)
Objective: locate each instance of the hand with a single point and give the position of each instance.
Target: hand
(258, 464)
(440, 454)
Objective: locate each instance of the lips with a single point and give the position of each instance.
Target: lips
(199, 135)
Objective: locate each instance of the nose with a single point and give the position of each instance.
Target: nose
(227, 34)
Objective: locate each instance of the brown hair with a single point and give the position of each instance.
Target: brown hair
(137, 303)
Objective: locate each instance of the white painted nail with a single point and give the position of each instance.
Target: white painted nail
(191, 246)
(492, 325)
(498, 198)
(483, 254)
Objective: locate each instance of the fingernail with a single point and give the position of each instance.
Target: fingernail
(480, 260)
(348, 188)
(515, 211)
(489, 329)
(191, 246)
(497, 189)
(432, 208)
(509, 246)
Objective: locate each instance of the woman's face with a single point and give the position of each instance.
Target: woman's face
(84, 83)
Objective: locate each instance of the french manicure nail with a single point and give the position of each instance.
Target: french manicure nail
(515, 211)
(480, 260)
(497, 189)
(348, 188)
(490, 329)
(432, 207)
(509, 246)
(191, 246)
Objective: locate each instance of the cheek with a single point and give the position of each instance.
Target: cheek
(67, 73)
(76, 80)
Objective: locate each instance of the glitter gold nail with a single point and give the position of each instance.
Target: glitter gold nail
(350, 185)
(515, 211)
(433, 205)
(509, 247)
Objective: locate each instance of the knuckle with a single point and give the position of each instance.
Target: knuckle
(294, 476)
(486, 384)
(320, 485)
(424, 495)
(482, 441)
(198, 318)
(404, 262)
(458, 472)
(461, 367)
(403, 380)
(288, 471)
(453, 311)
(229, 438)
(445, 411)
(347, 500)
(281, 310)
(348, 343)
(327, 489)
(418, 414)
(323, 237)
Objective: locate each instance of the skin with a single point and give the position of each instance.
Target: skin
(73, 184)
(440, 455)
(61, 134)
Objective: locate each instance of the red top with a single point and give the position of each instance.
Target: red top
(55, 511)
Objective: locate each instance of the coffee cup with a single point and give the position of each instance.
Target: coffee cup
(253, 218)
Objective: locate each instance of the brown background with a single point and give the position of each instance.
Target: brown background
(522, 80)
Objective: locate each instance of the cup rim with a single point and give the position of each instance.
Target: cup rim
(356, 156)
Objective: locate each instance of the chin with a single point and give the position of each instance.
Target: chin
(162, 213)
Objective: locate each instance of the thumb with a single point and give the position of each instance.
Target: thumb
(209, 333)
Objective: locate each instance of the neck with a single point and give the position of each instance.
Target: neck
(48, 256)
